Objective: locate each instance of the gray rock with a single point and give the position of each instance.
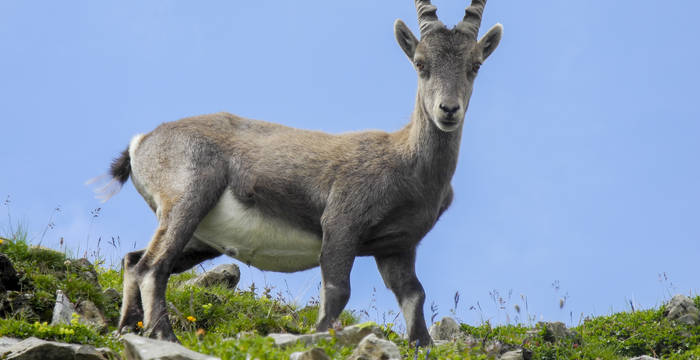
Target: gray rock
(112, 295)
(37, 349)
(85, 270)
(493, 348)
(513, 355)
(445, 329)
(141, 348)
(554, 331)
(18, 303)
(91, 315)
(350, 335)
(682, 309)
(372, 347)
(6, 342)
(225, 274)
(63, 309)
(9, 280)
(313, 354)
(644, 357)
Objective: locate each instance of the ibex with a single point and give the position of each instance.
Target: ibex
(283, 199)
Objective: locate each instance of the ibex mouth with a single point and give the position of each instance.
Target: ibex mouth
(448, 124)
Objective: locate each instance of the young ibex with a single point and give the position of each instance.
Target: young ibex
(284, 199)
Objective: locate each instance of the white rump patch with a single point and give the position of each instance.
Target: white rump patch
(250, 236)
(134, 143)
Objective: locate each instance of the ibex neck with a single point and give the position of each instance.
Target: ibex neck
(432, 151)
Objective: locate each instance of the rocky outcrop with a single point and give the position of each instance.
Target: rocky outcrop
(350, 335)
(84, 269)
(91, 315)
(446, 329)
(682, 309)
(9, 279)
(643, 357)
(63, 309)
(513, 355)
(141, 348)
(313, 354)
(37, 349)
(225, 274)
(372, 347)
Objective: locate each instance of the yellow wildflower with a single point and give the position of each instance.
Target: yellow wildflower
(139, 324)
(191, 318)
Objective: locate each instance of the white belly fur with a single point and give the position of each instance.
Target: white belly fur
(250, 236)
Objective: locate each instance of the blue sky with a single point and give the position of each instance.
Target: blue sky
(578, 162)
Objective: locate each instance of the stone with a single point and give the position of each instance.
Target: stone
(313, 354)
(9, 280)
(225, 274)
(142, 348)
(350, 335)
(18, 303)
(682, 309)
(554, 331)
(37, 349)
(112, 295)
(513, 355)
(493, 348)
(6, 342)
(86, 271)
(372, 347)
(446, 329)
(63, 309)
(644, 357)
(91, 315)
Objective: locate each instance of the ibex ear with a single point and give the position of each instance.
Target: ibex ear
(405, 38)
(489, 42)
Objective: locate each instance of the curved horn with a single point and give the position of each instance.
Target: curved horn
(427, 17)
(472, 18)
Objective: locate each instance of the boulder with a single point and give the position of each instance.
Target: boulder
(63, 309)
(313, 354)
(225, 274)
(9, 280)
(112, 295)
(372, 347)
(350, 335)
(554, 331)
(18, 303)
(644, 357)
(682, 309)
(37, 349)
(141, 348)
(446, 329)
(512, 355)
(91, 315)
(6, 342)
(86, 271)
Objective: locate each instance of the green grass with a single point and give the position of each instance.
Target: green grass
(210, 319)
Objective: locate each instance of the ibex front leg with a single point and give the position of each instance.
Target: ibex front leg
(337, 256)
(399, 274)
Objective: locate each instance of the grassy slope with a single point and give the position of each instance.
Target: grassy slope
(208, 319)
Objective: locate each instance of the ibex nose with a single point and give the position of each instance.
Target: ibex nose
(449, 108)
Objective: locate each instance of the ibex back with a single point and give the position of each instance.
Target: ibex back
(284, 199)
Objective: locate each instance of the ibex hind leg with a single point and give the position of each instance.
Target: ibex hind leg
(178, 219)
(194, 253)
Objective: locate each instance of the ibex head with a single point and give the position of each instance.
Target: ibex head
(447, 61)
